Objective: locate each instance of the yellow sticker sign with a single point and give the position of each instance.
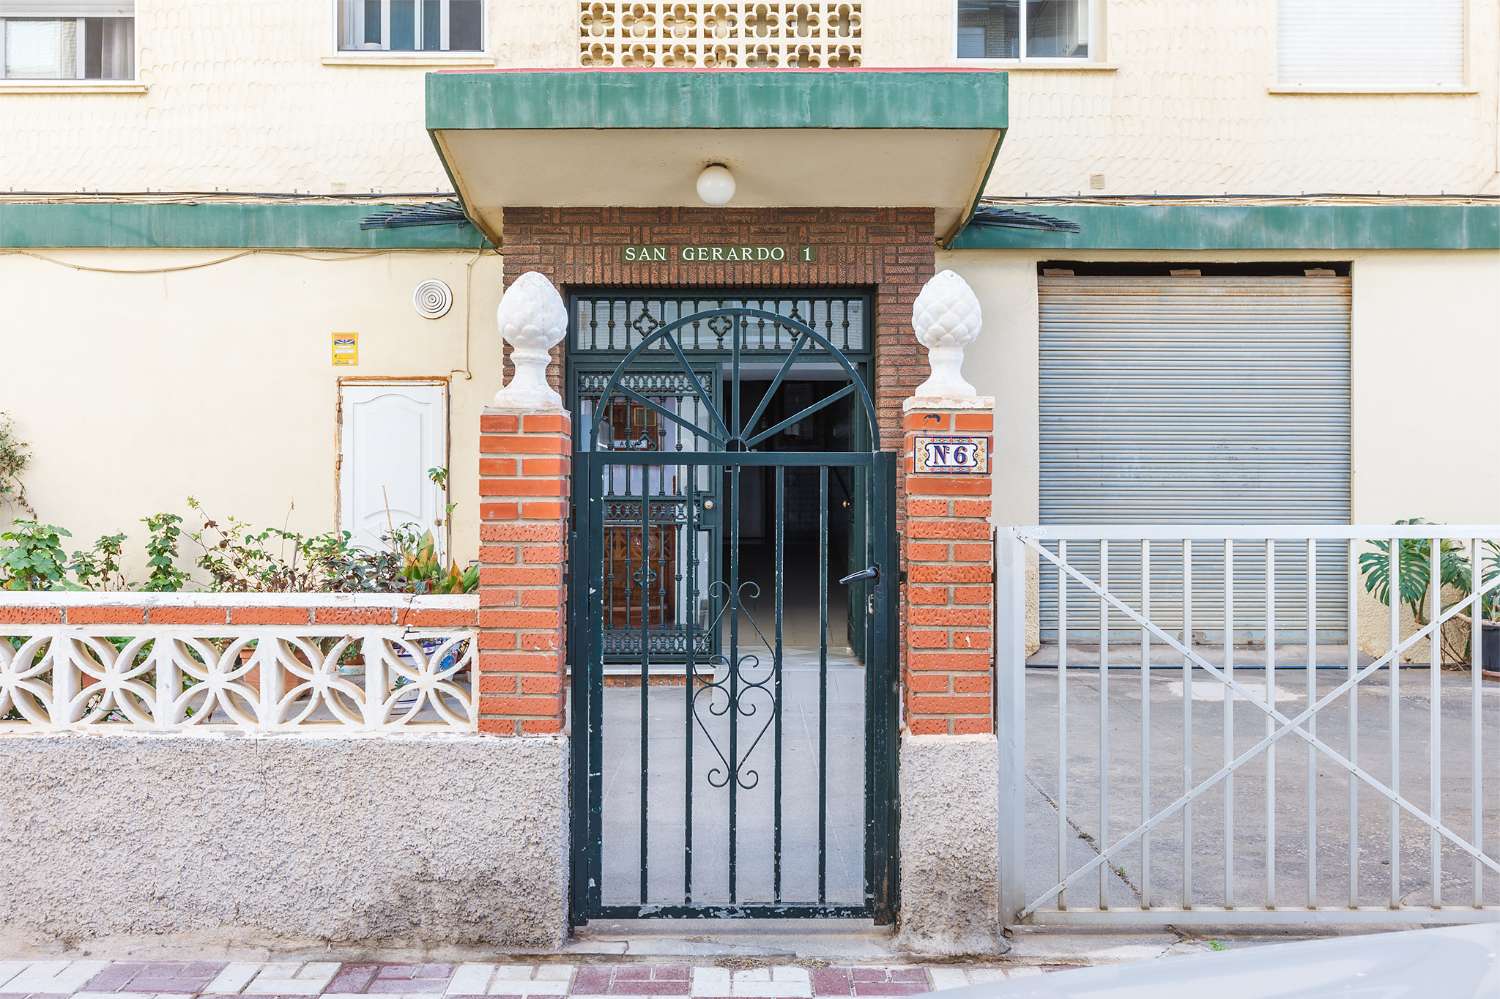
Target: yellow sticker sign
(345, 349)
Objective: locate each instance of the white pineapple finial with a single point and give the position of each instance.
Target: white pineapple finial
(946, 318)
(532, 319)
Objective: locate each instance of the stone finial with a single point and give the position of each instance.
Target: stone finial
(533, 320)
(947, 319)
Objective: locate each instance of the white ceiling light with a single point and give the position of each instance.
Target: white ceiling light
(716, 185)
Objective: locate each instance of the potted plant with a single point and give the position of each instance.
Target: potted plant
(1456, 577)
(1489, 624)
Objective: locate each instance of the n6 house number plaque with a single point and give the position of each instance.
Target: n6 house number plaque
(950, 455)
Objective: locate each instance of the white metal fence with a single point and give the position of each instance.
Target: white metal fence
(92, 662)
(1167, 780)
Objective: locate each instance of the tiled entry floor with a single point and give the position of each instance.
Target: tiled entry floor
(90, 979)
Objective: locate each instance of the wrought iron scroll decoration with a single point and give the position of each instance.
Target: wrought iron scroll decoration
(741, 437)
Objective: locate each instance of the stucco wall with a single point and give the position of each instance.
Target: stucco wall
(237, 842)
(253, 97)
(950, 902)
(1425, 326)
(136, 391)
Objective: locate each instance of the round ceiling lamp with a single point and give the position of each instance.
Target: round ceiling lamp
(716, 185)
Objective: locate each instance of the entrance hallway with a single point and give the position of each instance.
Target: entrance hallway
(666, 790)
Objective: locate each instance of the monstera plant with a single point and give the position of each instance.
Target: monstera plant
(1456, 577)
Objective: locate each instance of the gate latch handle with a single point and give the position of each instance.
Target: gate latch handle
(871, 572)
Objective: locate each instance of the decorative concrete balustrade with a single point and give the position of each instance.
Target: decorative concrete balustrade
(255, 663)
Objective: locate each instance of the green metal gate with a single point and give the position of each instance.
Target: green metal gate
(729, 759)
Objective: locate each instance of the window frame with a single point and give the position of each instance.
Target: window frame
(1094, 60)
(383, 51)
(1278, 86)
(127, 84)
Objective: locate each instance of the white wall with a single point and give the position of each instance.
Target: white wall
(252, 97)
(138, 390)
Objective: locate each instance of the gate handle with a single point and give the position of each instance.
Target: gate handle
(872, 572)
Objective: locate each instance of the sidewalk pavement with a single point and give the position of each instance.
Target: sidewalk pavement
(734, 979)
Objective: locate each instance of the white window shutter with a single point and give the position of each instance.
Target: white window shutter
(1370, 43)
(67, 8)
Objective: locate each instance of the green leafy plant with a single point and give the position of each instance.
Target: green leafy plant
(165, 530)
(424, 570)
(238, 558)
(1455, 574)
(33, 558)
(15, 455)
(98, 568)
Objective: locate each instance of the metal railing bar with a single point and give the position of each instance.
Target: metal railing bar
(1104, 753)
(1187, 721)
(1312, 723)
(1145, 723)
(1062, 722)
(1352, 581)
(1229, 838)
(1435, 719)
(1270, 725)
(1272, 532)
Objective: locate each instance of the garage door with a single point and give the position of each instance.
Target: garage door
(1198, 399)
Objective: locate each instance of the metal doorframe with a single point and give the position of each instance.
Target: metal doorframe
(881, 749)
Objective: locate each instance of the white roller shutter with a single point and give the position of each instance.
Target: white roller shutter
(1370, 43)
(1198, 400)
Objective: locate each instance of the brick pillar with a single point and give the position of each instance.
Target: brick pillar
(950, 579)
(523, 508)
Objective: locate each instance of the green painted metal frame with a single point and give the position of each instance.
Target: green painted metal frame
(881, 876)
(615, 98)
(292, 226)
(1473, 226)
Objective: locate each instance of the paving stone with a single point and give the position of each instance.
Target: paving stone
(470, 979)
(235, 976)
(293, 979)
(353, 978)
(831, 982)
(9, 970)
(594, 980)
(55, 977)
(115, 977)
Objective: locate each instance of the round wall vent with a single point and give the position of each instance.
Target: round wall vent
(432, 299)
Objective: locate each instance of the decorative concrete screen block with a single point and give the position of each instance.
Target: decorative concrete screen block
(532, 320)
(523, 508)
(947, 318)
(719, 34)
(248, 662)
(283, 842)
(950, 597)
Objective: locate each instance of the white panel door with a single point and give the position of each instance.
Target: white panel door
(391, 435)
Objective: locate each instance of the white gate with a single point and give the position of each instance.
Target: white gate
(1166, 780)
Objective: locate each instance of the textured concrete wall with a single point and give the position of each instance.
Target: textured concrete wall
(254, 97)
(283, 841)
(950, 903)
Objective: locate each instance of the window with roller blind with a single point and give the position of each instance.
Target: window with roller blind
(411, 25)
(1370, 44)
(67, 40)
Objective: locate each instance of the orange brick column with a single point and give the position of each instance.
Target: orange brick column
(523, 508)
(950, 594)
